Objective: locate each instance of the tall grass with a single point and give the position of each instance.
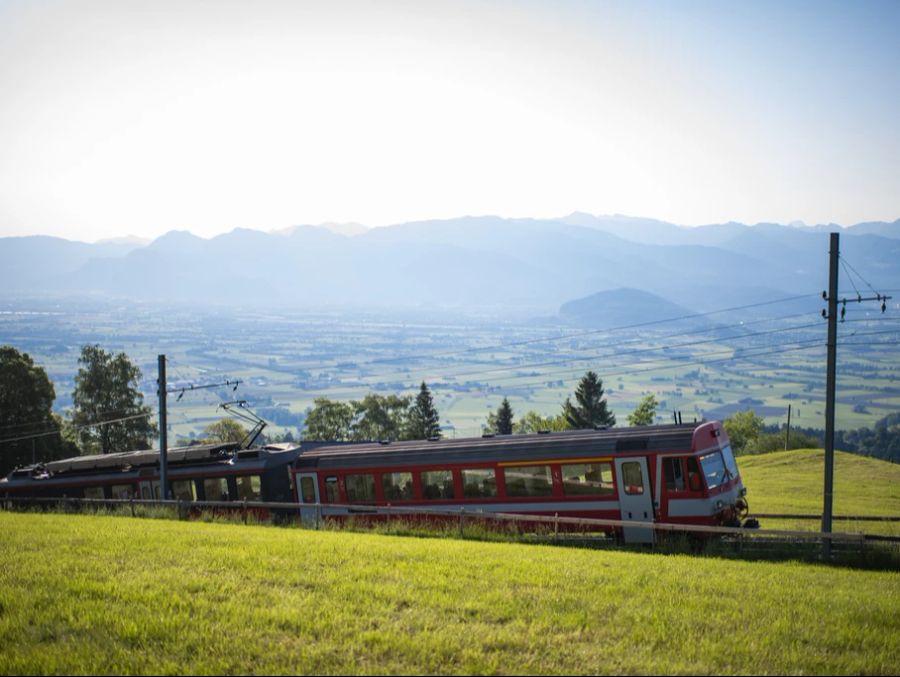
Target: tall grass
(111, 595)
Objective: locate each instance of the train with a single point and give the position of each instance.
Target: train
(675, 474)
(670, 474)
(200, 472)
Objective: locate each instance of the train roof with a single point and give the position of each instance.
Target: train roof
(197, 454)
(500, 447)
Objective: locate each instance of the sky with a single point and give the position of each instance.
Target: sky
(137, 117)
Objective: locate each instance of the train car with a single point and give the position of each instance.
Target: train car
(682, 474)
(211, 472)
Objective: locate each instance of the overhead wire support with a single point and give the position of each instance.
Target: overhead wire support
(183, 389)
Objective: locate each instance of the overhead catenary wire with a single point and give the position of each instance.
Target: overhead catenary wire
(79, 427)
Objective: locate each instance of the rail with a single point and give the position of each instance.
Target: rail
(321, 511)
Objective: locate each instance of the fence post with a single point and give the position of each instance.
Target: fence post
(318, 514)
(555, 525)
(461, 515)
(244, 510)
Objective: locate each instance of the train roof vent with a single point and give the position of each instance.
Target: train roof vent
(543, 432)
(601, 427)
(249, 453)
(488, 435)
(384, 442)
(436, 438)
(634, 444)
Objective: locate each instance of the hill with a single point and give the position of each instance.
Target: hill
(793, 482)
(619, 308)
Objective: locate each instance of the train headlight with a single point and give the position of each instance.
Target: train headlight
(720, 505)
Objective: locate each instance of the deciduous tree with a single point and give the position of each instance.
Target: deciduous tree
(645, 412)
(106, 389)
(26, 401)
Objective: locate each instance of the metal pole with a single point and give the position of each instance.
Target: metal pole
(163, 438)
(830, 387)
(787, 433)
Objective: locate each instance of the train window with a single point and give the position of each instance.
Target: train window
(184, 490)
(215, 489)
(730, 463)
(479, 483)
(674, 474)
(587, 479)
(632, 478)
(397, 486)
(360, 488)
(249, 488)
(307, 490)
(693, 474)
(122, 491)
(93, 492)
(332, 495)
(438, 484)
(714, 469)
(530, 480)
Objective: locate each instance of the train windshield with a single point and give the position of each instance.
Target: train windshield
(714, 469)
(730, 463)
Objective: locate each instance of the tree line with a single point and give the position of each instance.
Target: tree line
(108, 412)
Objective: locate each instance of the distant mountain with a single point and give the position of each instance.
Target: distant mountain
(480, 263)
(620, 308)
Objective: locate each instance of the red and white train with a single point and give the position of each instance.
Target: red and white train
(680, 474)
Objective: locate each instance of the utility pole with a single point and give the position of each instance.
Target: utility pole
(787, 432)
(832, 316)
(163, 437)
(830, 386)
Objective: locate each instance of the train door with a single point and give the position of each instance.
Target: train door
(308, 493)
(149, 490)
(635, 498)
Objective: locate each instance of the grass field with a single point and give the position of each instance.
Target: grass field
(793, 482)
(99, 594)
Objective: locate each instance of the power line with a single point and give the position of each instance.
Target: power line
(79, 427)
(564, 337)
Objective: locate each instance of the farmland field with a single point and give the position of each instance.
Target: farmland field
(287, 360)
(110, 595)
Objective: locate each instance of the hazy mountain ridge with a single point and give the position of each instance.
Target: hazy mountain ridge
(477, 262)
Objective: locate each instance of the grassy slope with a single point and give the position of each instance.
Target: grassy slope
(109, 594)
(793, 481)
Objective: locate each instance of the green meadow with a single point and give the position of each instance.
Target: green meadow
(793, 482)
(109, 595)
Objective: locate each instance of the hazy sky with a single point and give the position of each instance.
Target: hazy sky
(140, 117)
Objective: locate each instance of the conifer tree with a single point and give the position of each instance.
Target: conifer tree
(591, 409)
(424, 421)
(504, 418)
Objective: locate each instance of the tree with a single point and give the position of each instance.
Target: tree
(591, 409)
(329, 420)
(26, 402)
(501, 421)
(533, 422)
(743, 428)
(645, 412)
(423, 421)
(106, 389)
(379, 417)
(225, 430)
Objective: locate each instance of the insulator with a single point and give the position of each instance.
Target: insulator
(883, 306)
(824, 314)
(824, 296)
(843, 312)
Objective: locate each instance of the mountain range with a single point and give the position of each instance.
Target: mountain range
(472, 263)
